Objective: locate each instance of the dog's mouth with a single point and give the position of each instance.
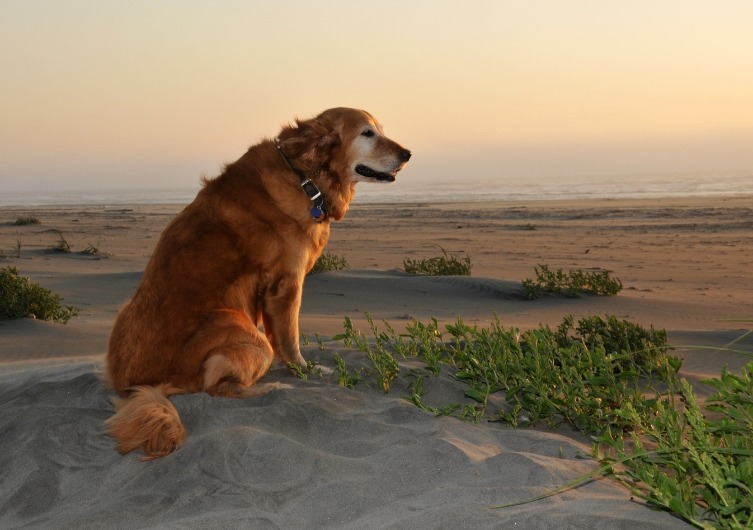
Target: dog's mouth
(367, 172)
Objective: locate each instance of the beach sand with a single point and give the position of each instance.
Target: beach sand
(318, 455)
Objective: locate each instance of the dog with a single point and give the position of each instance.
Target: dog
(232, 262)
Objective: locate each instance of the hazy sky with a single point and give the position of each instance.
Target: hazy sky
(114, 94)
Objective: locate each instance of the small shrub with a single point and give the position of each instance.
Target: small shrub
(446, 265)
(20, 298)
(91, 250)
(329, 262)
(572, 283)
(61, 245)
(28, 220)
(630, 342)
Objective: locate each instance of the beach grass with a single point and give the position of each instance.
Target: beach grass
(20, 298)
(60, 246)
(91, 250)
(445, 265)
(329, 262)
(612, 380)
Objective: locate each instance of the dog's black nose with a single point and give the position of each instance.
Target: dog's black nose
(405, 154)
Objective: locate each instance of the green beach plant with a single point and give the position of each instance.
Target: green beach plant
(577, 373)
(698, 466)
(611, 379)
(346, 379)
(445, 265)
(572, 283)
(329, 262)
(27, 220)
(312, 368)
(383, 362)
(20, 298)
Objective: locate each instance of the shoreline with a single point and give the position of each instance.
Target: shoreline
(642, 187)
(561, 201)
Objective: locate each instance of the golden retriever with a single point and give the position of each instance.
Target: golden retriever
(234, 260)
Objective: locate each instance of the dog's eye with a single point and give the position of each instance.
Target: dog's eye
(368, 133)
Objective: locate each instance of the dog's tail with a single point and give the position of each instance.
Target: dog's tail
(147, 420)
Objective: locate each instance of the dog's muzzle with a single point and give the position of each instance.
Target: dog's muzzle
(368, 172)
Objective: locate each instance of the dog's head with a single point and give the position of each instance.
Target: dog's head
(342, 146)
(369, 154)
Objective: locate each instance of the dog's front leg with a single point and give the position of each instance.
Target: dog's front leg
(282, 303)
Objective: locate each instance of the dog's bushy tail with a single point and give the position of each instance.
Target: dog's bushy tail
(147, 420)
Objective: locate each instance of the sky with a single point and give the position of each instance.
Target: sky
(103, 94)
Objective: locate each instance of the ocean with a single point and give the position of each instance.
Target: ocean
(406, 191)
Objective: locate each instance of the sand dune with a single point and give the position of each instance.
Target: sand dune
(314, 456)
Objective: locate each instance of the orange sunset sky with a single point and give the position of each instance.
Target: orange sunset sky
(114, 94)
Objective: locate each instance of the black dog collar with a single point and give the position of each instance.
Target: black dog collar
(318, 211)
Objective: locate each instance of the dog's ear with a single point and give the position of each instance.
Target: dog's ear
(311, 141)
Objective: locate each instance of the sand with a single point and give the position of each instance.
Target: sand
(320, 456)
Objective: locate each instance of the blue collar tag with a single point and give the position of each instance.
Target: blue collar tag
(318, 214)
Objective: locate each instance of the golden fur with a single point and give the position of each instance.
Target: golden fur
(234, 260)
